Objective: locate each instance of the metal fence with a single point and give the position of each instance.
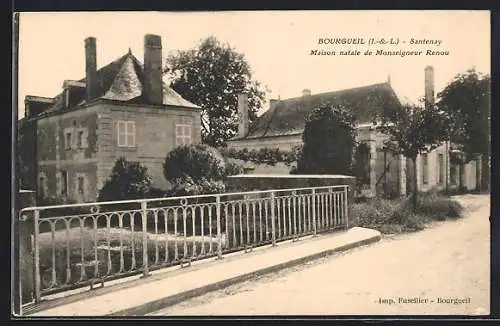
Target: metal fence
(84, 244)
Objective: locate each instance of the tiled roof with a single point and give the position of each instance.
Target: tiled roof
(120, 80)
(288, 116)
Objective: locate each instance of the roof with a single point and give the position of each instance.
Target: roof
(287, 117)
(120, 80)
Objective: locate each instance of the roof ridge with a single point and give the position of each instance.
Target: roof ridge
(340, 90)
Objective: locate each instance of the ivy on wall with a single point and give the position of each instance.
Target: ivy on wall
(266, 156)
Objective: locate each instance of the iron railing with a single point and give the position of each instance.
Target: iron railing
(83, 244)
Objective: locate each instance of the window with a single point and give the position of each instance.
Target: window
(126, 133)
(425, 169)
(68, 140)
(81, 185)
(64, 183)
(182, 134)
(440, 169)
(79, 139)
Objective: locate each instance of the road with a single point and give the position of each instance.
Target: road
(414, 273)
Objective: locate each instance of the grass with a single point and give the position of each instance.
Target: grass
(397, 216)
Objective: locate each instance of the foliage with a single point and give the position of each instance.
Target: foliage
(211, 75)
(268, 156)
(197, 162)
(128, 180)
(414, 130)
(329, 137)
(186, 186)
(466, 101)
(396, 215)
(440, 207)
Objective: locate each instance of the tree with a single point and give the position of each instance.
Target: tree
(414, 130)
(211, 76)
(128, 180)
(328, 138)
(466, 100)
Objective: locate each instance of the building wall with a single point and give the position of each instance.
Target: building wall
(285, 143)
(155, 130)
(56, 153)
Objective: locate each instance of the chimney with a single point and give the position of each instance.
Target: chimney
(153, 71)
(306, 92)
(90, 68)
(242, 115)
(429, 86)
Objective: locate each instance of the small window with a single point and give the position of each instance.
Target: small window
(182, 134)
(64, 183)
(81, 185)
(126, 133)
(79, 139)
(68, 140)
(425, 169)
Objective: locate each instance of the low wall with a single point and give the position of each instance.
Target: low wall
(252, 182)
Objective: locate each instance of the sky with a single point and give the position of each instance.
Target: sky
(276, 44)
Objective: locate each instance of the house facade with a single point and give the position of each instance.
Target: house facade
(282, 125)
(72, 141)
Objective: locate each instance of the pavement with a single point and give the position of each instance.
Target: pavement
(171, 286)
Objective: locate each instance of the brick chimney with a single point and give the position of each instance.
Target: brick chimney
(153, 71)
(242, 115)
(90, 68)
(429, 86)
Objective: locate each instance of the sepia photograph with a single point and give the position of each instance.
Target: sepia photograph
(251, 163)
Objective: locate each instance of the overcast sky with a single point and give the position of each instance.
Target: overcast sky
(276, 44)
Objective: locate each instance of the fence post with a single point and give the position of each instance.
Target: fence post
(273, 220)
(36, 257)
(346, 204)
(314, 210)
(144, 215)
(22, 252)
(219, 233)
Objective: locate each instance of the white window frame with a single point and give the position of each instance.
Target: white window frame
(183, 133)
(125, 128)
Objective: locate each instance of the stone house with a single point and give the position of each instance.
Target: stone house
(69, 143)
(282, 125)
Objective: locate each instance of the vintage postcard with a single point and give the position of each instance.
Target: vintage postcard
(251, 163)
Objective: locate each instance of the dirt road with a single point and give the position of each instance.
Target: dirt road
(441, 270)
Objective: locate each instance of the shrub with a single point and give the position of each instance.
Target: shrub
(186, 186)
(438, 207)
(196, 161)
(128, 180)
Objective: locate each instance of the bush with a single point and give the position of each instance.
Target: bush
(196, 161)
(186, 186)
(438, 207)
(395, 216)
(128, 180)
